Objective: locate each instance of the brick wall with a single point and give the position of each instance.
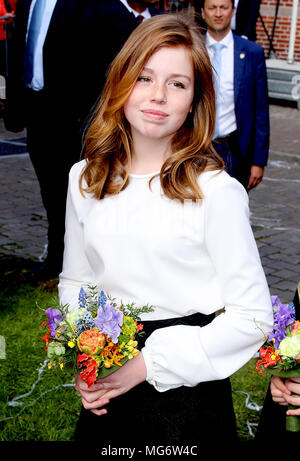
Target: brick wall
(282, 31)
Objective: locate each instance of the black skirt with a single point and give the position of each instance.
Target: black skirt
(183, 417)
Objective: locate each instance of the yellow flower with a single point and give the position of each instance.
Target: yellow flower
(71, 344)
(61, 365)
(131, 347)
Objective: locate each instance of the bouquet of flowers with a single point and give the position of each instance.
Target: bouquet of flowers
(97, 338)
(280, 354)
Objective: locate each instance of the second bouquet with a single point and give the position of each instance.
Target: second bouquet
(95, 339)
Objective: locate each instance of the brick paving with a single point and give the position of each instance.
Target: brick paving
(274, 205)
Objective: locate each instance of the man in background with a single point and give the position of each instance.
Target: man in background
(58, 58)
(242, 111)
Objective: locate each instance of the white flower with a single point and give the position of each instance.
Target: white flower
(73, 316)
(55, 350)
(290, 347)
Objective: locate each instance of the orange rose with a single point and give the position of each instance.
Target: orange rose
(91, 341)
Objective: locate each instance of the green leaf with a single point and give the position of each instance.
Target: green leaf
(295, 373)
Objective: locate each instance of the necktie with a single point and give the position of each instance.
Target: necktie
(217, 65)
(140, 18)
(32, 36)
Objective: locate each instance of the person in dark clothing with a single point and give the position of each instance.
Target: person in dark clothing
(67, 46)
(242, 122)
(246, 15)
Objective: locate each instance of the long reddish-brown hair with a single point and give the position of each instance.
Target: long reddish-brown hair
(108, 141)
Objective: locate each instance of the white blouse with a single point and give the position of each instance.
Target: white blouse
(142, 247)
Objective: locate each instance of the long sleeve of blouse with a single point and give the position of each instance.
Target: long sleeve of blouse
(201, 259)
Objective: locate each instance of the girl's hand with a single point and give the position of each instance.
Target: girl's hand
(293, 385)
(132, 373)
(90, 394)
(279, 390)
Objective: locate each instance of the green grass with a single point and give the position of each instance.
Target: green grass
(248, 380)
(53, 416)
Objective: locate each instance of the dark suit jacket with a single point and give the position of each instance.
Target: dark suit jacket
(83, 38)
(58, 57)
(246, 18)
(105, 26)
(251, 100)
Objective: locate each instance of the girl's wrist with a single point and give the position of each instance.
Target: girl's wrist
(141, 367)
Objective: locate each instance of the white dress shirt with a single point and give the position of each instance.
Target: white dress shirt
(142, 247)
(146, 14)
(226, 111)
(37, 82)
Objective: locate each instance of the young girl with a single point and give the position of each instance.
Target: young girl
(153, 218)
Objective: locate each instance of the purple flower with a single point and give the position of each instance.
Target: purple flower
(54, 318)
(109, 321)
(284, 315)
(82, 298)
(102, 299)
